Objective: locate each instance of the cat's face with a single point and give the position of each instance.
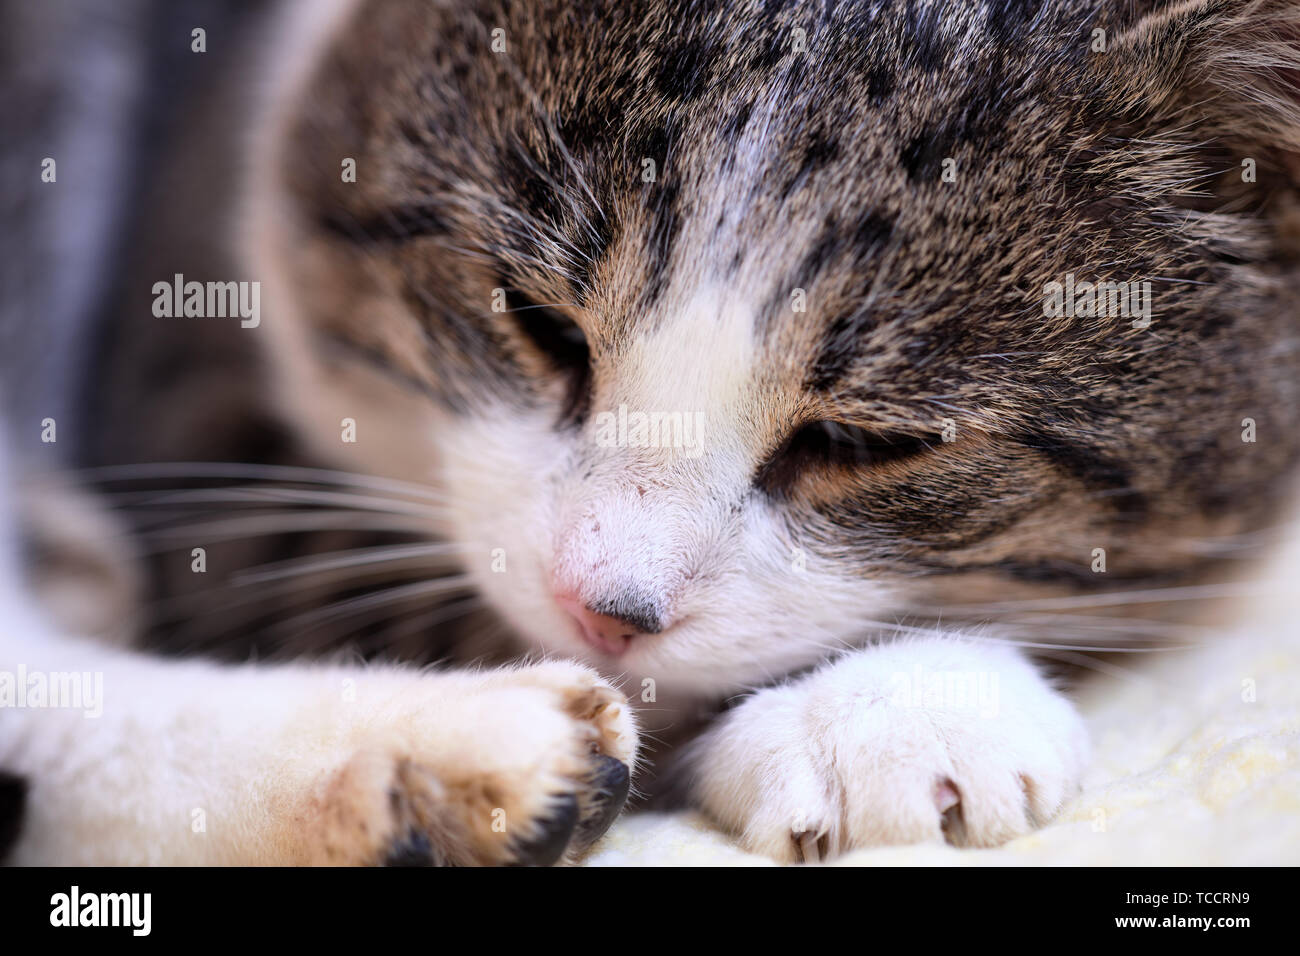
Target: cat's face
(725, 329)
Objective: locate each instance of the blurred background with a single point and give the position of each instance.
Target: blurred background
(147, 136)
(103, 89)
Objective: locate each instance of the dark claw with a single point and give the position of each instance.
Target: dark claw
(13, 799)
(413, 850)
(608, 786)
(548, 846)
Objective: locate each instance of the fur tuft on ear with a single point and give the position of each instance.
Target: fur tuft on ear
(1230, 68)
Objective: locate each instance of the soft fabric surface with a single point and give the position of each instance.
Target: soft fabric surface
(1187, 769)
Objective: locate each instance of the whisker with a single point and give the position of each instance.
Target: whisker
(1200, 592)
(252, 471)
(385, 639)
(1087, 622)
(971, 633)
(445, 585)
(255, 495)
(1101, 667)
(252, 526)
(424, 619)
(340, 560)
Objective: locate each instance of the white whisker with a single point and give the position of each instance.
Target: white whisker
(1200, 592)
(445, 585)
(253, 471)
(341, 560)
(262, 525)
(259, 495)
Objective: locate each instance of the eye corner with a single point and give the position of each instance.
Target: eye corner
(561, 342)
(828, 444)
(549, 329)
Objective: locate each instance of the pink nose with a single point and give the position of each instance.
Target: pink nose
(607, 634)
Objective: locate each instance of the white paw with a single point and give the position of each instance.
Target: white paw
(526, 765)
(908, 742)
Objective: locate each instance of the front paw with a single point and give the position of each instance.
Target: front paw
(902, 743)
(521, 766)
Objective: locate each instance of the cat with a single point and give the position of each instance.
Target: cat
(967, 307)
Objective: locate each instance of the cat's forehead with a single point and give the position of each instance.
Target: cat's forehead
(648, 167)
(818, 201)
(715, 158)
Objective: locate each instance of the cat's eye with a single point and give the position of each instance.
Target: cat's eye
(551, 332)
(828, 444)
(559, 339)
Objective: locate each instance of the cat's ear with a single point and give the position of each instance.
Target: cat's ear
(1230, 68)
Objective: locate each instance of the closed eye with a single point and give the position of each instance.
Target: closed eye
(561, 342)
(828, 444)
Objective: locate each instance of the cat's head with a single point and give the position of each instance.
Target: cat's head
(738, 327)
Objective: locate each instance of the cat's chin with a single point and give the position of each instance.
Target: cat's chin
(600, 652)
(626, 656)
(612, 647)
(682, 657)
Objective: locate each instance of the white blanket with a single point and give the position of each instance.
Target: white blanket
(1196, 761)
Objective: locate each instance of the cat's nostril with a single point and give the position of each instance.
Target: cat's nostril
(641, 615)
(609, 633)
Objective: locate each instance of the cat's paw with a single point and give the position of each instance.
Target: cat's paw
(523, 766)
(903, 743)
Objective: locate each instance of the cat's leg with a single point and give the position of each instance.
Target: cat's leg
(188, 762)
(913, 741)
